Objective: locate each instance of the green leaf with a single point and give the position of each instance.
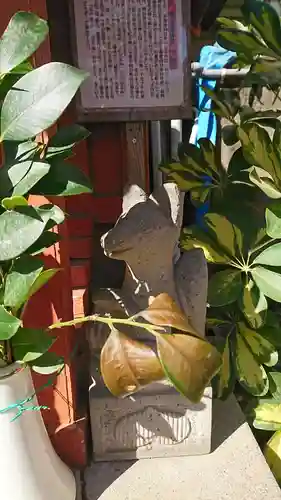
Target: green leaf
(42, 279)
(24, 33)
(48, 363)
(36, 172)
(262, 349)
(227, 235)
(225, 380)
(271, 332)
(265, 20)
(273, 220)
(250, 373)
(38, 99)
(19, 229)
(181, 356)
(13, 202)
(268, 416)
(9, 324)
(211, 157)
(268, 282)
(20, 279)
(224, 287)
(275, 385)
(65, 139)
(63, 179)
(229, 135)
(19, 151)
(258, 148)
(271, 256)
(46, 240)
(253, 305)
(51, 214)
(194, 237)
(28, 344)
(263, 180)
(273, 455)
(192, 160)
(11, 175)
(222, 109)
(243, 42)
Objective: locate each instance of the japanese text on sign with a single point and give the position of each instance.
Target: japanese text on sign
(131, 48)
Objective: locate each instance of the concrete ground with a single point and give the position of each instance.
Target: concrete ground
(235, 470)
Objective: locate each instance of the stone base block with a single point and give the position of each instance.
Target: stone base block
(156, 422)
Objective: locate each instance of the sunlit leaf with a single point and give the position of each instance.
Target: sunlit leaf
(163, 311)
(263, 350)
(272, 453)
(189, 362)
(268, 282)
(23, 35)
(253, 304)
(48, 363)
(9, 324)
(13, 202)
(225, 380)
(271, 256)
(273, 220)
(20, 279)
(265, 20)
(227, 235)
(275, 385)
(128, 365)
(250, 373)
(263, 180)
(195, 237)
(268, 416)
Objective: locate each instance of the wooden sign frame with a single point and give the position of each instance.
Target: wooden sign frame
(166, 111)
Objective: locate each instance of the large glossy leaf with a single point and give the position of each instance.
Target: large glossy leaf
(163, 311)
(9, 324)
(19, 229)
(128, 365)
(224, 287)
(36, 172)
(275, 385)
(51, 214)
(20, 279)
(225, 379)
(253, 304)
(268, 416)
(48, 363)
(225, 234)
(184, 179)
(63, 179)
(250, 373)
(272, 453)
(273, 220)
(271, 256)
(189, 362)
(65, 138)
(24, 33)
(11, 175)
(38, 99)
(42, 279)
(14, 201)
(46, 240)
(263, 350)
(194, 237)
(265, 20)
(211, 157)
(258, 148)
(264, 181)
(29, 344)
(192, 160)
(268, 282)
(243, 42)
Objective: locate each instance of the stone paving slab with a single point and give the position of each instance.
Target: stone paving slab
(235, 470)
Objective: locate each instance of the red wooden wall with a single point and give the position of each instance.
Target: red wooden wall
(104, 157)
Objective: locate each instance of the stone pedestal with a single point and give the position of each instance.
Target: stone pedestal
(156, 422)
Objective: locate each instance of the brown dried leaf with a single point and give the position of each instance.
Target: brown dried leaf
(189, 363)
(128, 365)
(163, 311)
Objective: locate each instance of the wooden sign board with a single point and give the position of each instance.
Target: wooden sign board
(136, 52)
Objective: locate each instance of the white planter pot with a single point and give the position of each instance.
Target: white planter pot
(29, 467)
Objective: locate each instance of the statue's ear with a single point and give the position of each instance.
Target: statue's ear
(170, 200)
(133, 195)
